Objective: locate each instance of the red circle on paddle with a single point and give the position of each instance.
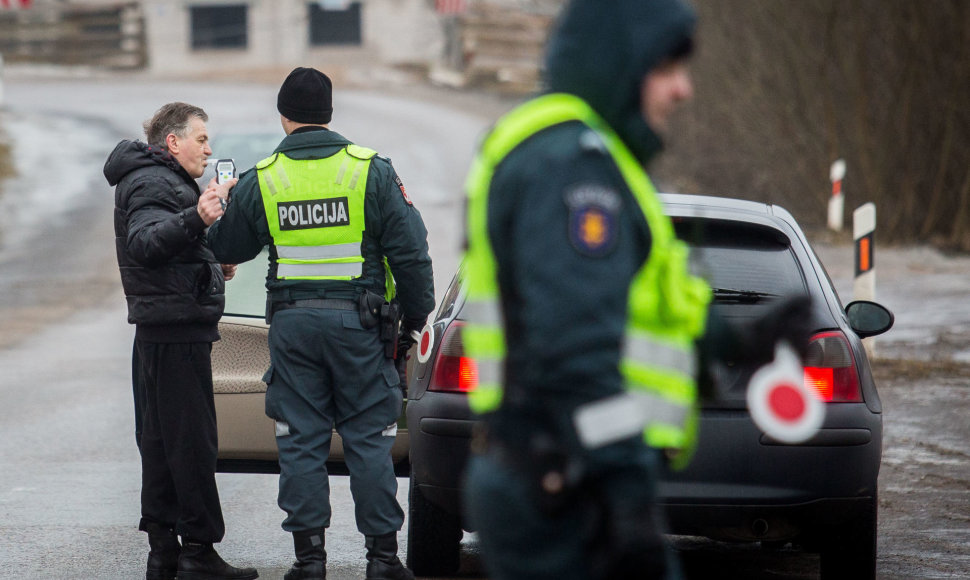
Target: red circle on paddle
(786, 402)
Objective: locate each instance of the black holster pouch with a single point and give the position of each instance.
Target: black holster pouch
(375, 311)
(370, 309)
(554, 467)
(559, 475)
(390, 327)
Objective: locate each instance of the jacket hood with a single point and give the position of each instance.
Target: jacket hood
(131, 155)
(601, 55)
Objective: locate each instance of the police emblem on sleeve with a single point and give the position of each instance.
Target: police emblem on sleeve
(404, 192)
(593, 212)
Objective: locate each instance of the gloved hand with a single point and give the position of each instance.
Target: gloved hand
(401, 364)
(412, 327)
(404, 343)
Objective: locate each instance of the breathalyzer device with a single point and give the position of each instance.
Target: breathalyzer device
(225, 170)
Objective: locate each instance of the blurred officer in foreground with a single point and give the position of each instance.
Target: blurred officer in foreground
(581, 314)
(175, 292)
(343, 239)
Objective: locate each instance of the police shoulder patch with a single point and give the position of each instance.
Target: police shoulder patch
(404, 192)
(593, 223)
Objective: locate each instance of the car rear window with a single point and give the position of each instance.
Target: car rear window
(452, 295)
(741, 261)
(245, 149)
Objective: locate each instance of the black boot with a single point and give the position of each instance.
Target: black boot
(382, 560)
(163, 555)
(311, 557)
(201, 562)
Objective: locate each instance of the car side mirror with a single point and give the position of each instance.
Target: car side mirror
(869, 318)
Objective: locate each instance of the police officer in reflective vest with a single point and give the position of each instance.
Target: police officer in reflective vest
(346, 250)
(581, 314)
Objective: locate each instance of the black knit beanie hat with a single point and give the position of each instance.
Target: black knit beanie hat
(306, 97)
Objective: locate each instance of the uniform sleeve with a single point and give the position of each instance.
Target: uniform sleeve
(568, 243)
(404, 240)
(242, 231)
(158, 228)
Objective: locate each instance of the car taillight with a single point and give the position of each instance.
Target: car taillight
(830, 369)
(453, 371)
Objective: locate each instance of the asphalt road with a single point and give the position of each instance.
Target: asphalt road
(69, 475)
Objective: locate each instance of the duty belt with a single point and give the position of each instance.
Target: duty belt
(327, 303)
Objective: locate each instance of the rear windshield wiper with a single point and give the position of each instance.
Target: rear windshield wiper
(741, 296)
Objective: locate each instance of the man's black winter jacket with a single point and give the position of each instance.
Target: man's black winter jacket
(173, 284)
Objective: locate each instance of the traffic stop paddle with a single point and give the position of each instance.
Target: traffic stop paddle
(780, 403)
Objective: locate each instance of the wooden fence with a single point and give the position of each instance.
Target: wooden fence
(498, 43)
(110, 35)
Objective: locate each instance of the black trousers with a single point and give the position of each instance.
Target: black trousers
(175, 429)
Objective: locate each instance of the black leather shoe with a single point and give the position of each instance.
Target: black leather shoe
(201, 562)
(382, 560)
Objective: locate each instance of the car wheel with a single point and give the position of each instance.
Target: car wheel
(850, 552)
(434, 537)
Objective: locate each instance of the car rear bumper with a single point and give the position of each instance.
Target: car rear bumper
(787, 487)
(809, 522)
(741, 485)
(441, 427)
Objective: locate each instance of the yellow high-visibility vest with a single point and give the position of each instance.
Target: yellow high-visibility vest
(667, 306)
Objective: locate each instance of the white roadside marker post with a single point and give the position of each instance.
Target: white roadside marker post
(864, 286)
(837, 201)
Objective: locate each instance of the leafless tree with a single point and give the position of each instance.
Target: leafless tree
(785, 87)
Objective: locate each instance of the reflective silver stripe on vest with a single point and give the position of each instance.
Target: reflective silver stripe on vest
(340, 173)
(489, 371)
(281, 174)
(355, 177)
(625, 415)
(354, 269)
(270, 183)
(325, 252)
(651, 352)
(484, 312)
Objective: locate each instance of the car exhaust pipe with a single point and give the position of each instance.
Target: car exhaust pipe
(759, 528)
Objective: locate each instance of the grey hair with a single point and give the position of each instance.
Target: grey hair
(173, 118)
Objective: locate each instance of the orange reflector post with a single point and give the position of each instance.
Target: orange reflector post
(865, 254)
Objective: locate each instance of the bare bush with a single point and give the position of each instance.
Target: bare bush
(785, 87)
